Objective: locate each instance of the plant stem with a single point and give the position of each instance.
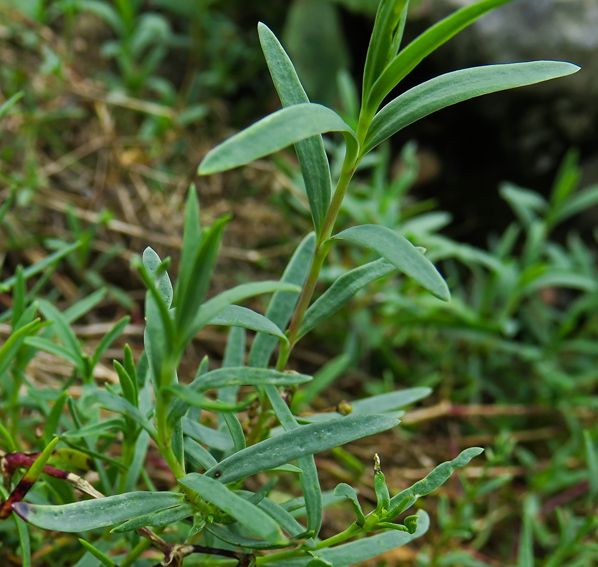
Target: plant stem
(164, 432)
(322, 248)
(135, 553)
(351, 531)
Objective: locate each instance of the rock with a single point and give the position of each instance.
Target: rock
(526, 30)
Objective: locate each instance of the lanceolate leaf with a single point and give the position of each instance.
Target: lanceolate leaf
(115, 403)
(236, 316)
(244, 375)
(341, 291)
(422, 46)
(99, 513)
(455, 87)
(381, 43)
(291, 445)
(382, 403)
(213, 307)
(436, 478)
(275, 132)
(229, 536)
(311, 152)
(158, 519)
(191, 293)
(247, 514)
(310, 482)
(399, 252)
(283, 303)
(192, 237)
(355, 552)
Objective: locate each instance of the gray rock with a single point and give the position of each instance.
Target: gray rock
(525, 30)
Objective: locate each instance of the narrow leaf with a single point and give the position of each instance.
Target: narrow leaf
(83, 306)
(191, 240)
(275, 132)
(192, 292)
(213, 438)
(390, 401)
(115, 403)
(291, 445)
(364, 549)
(109, 338)
(63, 330)
(10, 347)
(234, 355)
(247, 376)
(577, 203)
(422, 46)
(99, 513)
(156, 268)
(282, 304)
(248, 515)
(54, 348)
(436, 478)
(198, 455)
(6, 106)
(284, 519)
(451, 88)
(24, 540)
(236, 316)
(310, 152)
(310, 483)
(40, 266)
(341, 291)
(399, 252)
(159, 519)
(381, 45)
(592, 460)
(127, 383)
(232, 537)
(343, 489)
(235, 429)
(216, 305)
(99, 555)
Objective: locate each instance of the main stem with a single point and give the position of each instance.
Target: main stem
(321, 251)
(350, 532)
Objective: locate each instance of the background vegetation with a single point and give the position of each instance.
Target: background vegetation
(115, 104)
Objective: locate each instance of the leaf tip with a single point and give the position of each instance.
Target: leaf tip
(22, 509)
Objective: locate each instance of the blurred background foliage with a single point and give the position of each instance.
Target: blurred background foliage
(121, 99)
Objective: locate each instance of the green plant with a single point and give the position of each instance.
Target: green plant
(208, 516)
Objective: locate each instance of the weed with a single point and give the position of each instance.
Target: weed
(208, 517)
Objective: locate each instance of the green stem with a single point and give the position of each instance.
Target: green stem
(164, 432)
(135, 553)
(351, 531)
(322, 248)
(127, 459)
